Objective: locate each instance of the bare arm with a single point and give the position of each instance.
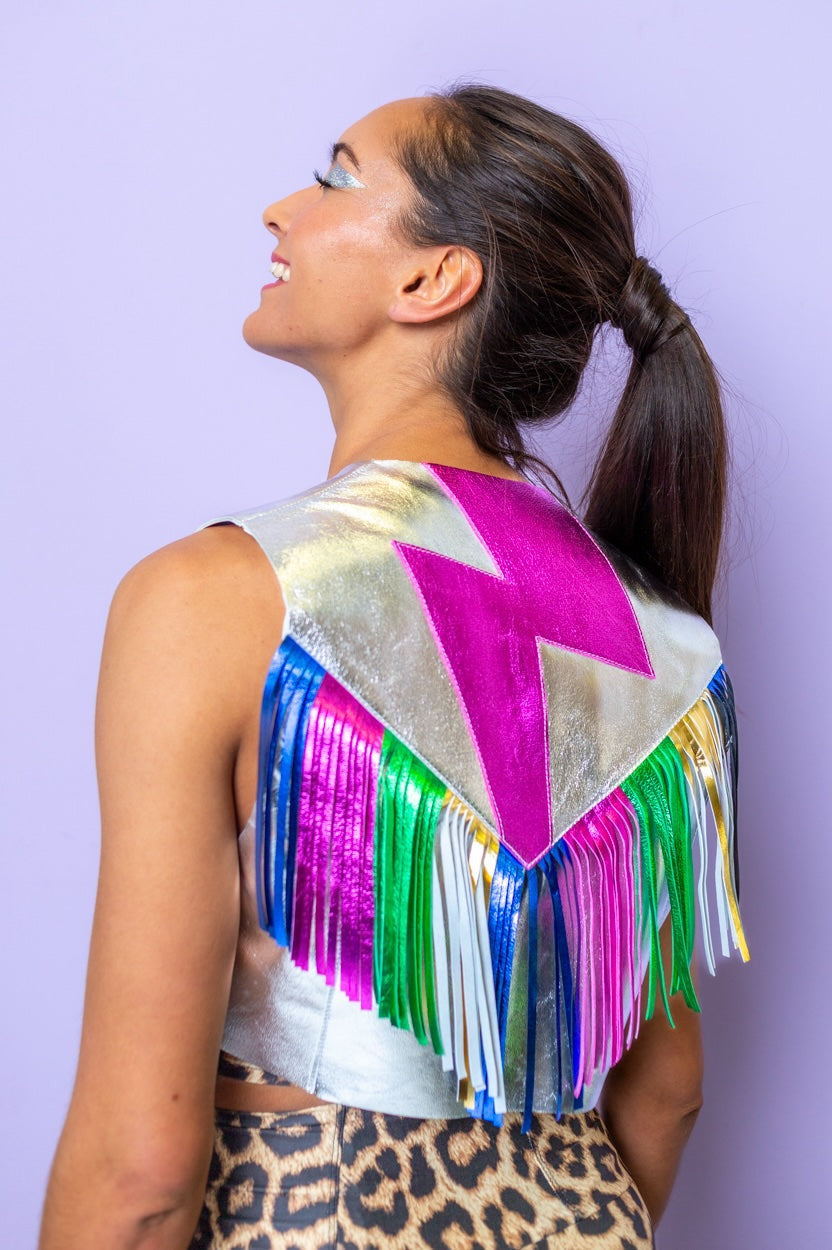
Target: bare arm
(652, 1096)
(179, 684)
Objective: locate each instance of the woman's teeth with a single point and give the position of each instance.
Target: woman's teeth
(281, 271)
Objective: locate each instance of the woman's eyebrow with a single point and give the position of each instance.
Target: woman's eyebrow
(348, 152)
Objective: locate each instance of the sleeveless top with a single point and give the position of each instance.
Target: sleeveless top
(494, 757)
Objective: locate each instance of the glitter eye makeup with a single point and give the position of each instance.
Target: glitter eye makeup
(337, 176)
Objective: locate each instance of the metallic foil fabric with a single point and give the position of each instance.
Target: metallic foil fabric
(352, 606)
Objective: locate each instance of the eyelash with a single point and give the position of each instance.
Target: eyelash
(319, 179)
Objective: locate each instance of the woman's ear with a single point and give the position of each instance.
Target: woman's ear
(444, 282)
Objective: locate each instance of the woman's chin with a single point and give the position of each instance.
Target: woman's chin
(258, 337)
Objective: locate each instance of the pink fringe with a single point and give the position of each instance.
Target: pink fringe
(334, 893)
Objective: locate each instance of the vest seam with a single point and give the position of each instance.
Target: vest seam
(315, 1067)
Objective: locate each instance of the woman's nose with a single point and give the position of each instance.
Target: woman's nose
(274, 218)
(278, 216)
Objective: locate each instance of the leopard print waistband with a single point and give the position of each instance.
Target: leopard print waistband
(338, 1178)
(241, 1070)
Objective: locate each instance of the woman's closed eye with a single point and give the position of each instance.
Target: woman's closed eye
(337, 177)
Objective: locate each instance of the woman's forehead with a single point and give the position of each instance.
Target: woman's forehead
(374, 131)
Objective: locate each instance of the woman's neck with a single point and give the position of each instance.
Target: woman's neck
(422, 429)
(401, 417)
(422, 440)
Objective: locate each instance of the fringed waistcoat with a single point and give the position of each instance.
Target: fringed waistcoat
(494, 757)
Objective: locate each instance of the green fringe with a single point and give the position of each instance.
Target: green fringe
(409, 801)
(408, 805)
(658, 792)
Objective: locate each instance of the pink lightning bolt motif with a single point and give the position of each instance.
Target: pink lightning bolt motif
(555, 585)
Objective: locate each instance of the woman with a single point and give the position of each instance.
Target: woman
(444, 283)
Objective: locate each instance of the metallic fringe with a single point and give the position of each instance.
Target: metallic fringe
(375, 874)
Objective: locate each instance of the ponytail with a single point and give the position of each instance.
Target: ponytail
(658, 489)
(548, 211)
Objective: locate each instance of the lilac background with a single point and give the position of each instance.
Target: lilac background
(141, 142)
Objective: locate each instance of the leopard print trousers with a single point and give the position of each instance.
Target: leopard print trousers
(332, 1177)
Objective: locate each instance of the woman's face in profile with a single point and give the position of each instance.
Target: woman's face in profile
(344, 258)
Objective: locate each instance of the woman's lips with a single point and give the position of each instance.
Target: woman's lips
(281, 270)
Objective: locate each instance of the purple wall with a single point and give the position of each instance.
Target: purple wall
(141, 144)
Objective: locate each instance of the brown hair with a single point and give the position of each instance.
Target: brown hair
(549, 212)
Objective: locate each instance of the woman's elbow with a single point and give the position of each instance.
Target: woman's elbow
(664, 1067)
(677, 1094)
(156, 1179)
(677, 1080)
(684, 1098)
(122, 1194)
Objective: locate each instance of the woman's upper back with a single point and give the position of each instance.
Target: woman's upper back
(472, 735)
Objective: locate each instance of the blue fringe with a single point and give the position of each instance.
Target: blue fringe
(503, 915)
(722, 692)
(566, 1001)
(291, 687)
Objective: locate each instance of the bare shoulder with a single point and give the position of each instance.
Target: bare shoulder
(202, 614)
(217, 579)
(221, 565)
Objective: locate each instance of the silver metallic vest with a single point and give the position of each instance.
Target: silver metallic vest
(428, 607)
